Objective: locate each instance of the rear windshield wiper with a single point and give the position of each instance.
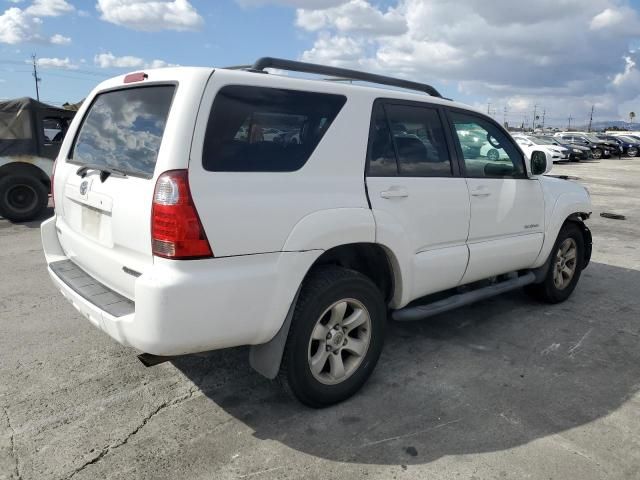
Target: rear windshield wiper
(105, 171)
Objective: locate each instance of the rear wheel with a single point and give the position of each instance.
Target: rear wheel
(632, 152)
(493, 155)
(22, 197)
(336, 337)
(565, 266)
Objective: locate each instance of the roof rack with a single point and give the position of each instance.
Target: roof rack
(342, 73)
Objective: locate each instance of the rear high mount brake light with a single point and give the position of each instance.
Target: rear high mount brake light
(135, 77)
(176, 230)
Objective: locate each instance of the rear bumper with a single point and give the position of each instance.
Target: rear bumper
(192, 306)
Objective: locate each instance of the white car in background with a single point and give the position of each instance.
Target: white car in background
(554, 153)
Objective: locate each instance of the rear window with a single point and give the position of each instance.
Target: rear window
(124, 129)
(256, 129)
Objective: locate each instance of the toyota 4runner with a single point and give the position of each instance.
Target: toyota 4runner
(199, 209)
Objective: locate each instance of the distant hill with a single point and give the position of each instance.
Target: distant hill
(600, 125)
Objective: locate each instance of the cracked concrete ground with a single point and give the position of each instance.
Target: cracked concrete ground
(507, 388)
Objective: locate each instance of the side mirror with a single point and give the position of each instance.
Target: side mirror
(538, 163)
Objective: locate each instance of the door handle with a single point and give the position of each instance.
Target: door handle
(480, 192)
(395, 192)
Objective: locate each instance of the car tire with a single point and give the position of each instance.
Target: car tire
(597, 153)
(22, 197)
(566, 256)
(493, 155)
(632, 152)
(336, 337)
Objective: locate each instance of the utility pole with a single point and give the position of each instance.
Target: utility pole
(569, 127)
(35, 75)
(504, 117)
(544, 113)
(591, 118)
(535, 109)
(488, 108)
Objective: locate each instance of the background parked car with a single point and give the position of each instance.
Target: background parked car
(576, 152)
(599, 148)
(554, 153)
(630, 146)
(31, 133)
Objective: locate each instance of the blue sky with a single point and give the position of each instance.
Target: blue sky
(505, 56)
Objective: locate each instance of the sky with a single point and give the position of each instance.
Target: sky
(507, 57)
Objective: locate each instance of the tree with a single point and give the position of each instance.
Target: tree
(632, 115)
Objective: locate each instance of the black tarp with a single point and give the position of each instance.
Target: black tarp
(21, 127)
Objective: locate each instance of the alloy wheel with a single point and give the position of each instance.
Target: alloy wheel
(339, 341)
(565, 264)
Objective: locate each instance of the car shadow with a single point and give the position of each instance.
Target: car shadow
(35, 223)
(488, 377)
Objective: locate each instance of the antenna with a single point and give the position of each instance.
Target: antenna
(35, 75)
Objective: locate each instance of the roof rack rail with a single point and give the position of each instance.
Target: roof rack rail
(342, 73)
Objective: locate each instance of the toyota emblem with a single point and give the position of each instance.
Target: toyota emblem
(83, 187)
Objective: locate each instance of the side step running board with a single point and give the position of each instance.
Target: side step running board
(423, 311)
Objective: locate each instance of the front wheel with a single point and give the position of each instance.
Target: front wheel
(22, 197)
(336, 336)
(597, 153)
(632, 152)
(566, 264)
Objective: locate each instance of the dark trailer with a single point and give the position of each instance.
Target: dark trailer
(31, 133)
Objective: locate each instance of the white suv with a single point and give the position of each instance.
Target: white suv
(181, 227)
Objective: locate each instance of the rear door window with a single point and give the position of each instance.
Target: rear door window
(257, 129)
(409, 141)
(123, 130)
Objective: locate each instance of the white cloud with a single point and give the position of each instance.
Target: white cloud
(49, 8)
(151, 15)
(567, 54)
(109, 60)
(19, 25)
(353, 16)
(58, 39)
(337, 51)
(316, 4)
(57, 63)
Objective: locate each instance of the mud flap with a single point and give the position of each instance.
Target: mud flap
(266, 357)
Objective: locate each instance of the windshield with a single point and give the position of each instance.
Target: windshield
(123, 130)
(628, 139)
(593, 138)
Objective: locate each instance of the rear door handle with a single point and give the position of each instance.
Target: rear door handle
(480, 192)
(395, 192)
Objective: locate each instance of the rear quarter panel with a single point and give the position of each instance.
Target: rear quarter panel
(256, 212)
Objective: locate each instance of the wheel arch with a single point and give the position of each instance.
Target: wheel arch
(368, 258)
(30, 166)
(569, 207)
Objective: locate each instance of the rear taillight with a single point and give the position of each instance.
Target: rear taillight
(53, 174)
(176, 230)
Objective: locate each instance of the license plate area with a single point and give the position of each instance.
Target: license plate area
(91, 220)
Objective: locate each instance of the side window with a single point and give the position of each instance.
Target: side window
(257, 129)
(54, 129)
(382, 156)
(409, 141)
(487, 151)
